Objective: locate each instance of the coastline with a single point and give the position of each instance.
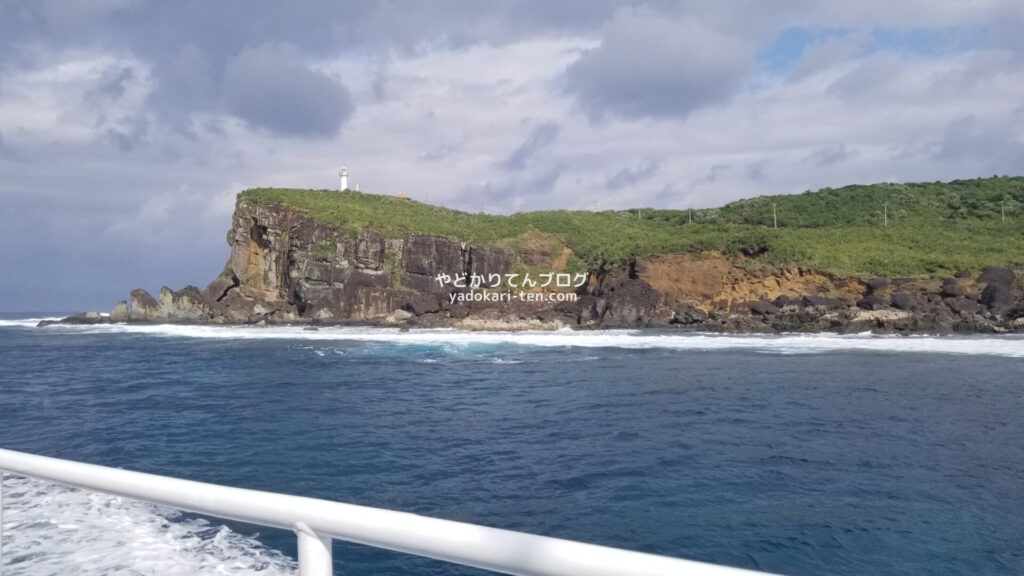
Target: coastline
(286, 267)
(790, 320)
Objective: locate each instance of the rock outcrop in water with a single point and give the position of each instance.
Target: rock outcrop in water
(286, 267)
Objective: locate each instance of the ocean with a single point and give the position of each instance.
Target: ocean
(794, 454)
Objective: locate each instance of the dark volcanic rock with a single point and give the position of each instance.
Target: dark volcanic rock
(952, 288)
(630, 304)
(783, 301)
(799, 319)
(421, 304)
(873, 301)
(763, 308)
(903, 301)
(994, 275)
(965, 273)
(217, 289)
(997, 296)
(370, 250)
(433, 255)
(963, 305)
(877, 284)
(84, 318)
(689, 315)
(821, 301)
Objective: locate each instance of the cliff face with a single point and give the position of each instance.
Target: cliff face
(288, 268)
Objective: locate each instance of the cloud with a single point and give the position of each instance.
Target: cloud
(522, 190)
(831, 155)
(6, 150)
(998, 149)
(715, 173)
(445, 151)
(633, 174)
(541, 137)
(187, 82)
(126, 127)
(270, 88)
(650, 66)
(827, 50)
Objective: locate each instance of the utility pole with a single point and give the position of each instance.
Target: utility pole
(775, 216)
(885, 215)
(1002, 210)
(690, 210)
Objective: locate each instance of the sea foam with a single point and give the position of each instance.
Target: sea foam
(1006, 346)
(24, 322)
(52, 529)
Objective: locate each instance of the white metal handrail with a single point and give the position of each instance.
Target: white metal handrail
(316, 522)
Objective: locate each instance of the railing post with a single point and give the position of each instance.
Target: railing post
(314, 552)
(1, 522)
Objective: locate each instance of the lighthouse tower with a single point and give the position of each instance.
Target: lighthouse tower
(344, 179)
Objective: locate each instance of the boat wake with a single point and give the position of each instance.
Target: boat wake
(52, 529)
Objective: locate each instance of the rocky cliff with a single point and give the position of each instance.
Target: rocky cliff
(286, 267)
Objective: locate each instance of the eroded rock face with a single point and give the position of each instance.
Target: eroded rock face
(141, 305)
(285, 267)
(120, 312)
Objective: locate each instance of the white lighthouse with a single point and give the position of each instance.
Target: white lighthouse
(344, 179)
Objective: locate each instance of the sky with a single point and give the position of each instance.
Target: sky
(128, 126)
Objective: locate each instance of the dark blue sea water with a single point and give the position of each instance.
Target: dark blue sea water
(796, 455)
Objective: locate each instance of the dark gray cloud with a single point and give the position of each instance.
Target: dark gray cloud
(128, 137)
(969, 140)
(112, 86)
(633, 174)
(650, 66)
(6, 150)
(831, 155)
(716, 172)
(541, 137)
(187, 82)
(522, 190)
(192, 43)
(445, 151)
(756, 171)
(268, 87)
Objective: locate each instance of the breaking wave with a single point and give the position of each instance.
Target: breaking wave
(25, 322)
(52, 529)
(1006, 346)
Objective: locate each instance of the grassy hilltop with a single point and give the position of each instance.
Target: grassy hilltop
(933, 228)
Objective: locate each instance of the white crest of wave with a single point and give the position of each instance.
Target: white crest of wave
(52, 529)
(25, 322)
(1008, 346)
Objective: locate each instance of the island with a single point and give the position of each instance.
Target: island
(891, 257)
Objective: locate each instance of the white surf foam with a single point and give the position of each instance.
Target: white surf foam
(1008, 346)
(26, 322)
(51, 529)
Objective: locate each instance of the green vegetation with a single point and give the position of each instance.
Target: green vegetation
(324, 249)
(932, 229)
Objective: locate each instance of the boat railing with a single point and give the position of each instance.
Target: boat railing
(316, 522)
